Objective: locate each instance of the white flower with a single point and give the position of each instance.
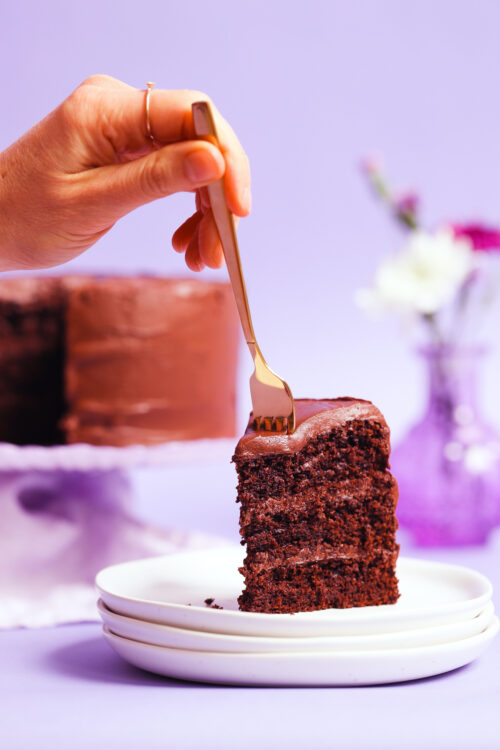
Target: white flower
(423, 277)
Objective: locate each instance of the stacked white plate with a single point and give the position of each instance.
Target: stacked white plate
(159, 614)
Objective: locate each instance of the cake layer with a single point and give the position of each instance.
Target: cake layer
(256, 504)
(350, 525)
(349, 452)
(340, 582)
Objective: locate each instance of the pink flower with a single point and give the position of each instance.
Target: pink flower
(481, 237)
(405, 207)
(370, 166)
(408, 203)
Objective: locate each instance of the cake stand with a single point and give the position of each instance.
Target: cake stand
(66, 512)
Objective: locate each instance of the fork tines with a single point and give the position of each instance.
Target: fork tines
(270, 424)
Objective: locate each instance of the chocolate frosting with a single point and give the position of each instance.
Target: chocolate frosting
(313, 417)
(150, 359)
(318, 552)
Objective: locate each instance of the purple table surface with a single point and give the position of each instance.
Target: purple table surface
(65, 688)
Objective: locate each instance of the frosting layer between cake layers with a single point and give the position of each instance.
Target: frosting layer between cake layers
(317, 510)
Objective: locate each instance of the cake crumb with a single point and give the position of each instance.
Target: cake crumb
(210, 602)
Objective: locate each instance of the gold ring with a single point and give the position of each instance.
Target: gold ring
(149, 132)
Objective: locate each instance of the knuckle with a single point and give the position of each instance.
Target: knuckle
(155, 179)
(77, 102)
(98, 79)
(83, 101)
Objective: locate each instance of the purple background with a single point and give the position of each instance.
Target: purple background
(310, 89)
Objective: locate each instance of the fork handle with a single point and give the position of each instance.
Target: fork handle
(204, 127)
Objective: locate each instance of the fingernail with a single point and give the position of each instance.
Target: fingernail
(246, 199)
(200, 166)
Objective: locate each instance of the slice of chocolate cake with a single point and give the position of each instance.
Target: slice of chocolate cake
(317, 511)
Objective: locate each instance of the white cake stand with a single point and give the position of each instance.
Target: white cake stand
(66, 512)
(83, 457)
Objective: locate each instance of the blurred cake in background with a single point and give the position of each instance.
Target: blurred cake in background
(116, 361)
(31, 360)
(149, 360)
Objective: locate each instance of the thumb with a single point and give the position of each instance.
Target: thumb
(112, 191)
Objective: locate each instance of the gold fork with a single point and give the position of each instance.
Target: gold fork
(272, 400)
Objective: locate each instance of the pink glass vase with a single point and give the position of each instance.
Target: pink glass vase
(448, 465)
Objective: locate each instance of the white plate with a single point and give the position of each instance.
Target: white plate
(164, 635)
(171, 590)
(322, 668)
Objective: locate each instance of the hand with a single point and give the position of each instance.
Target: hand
(71, 177)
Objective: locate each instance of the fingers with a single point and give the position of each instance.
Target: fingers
(122, 118)
(182, 236)
(193, 259)
(178, 105)
(199, 239)
(109, 190)
(116, 189)
(237, 180)
(209, 247)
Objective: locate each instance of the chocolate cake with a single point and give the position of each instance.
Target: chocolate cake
(116, 360)
(31, 360)
(149, 360)
(318, 510)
